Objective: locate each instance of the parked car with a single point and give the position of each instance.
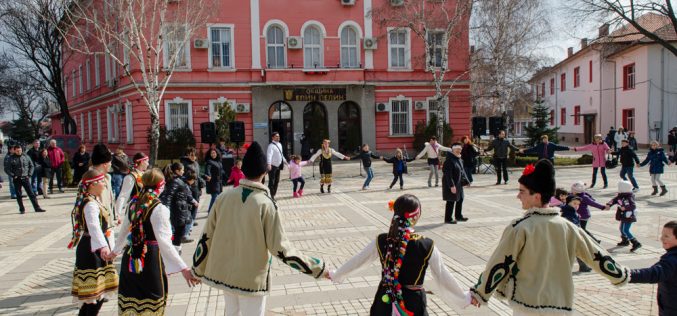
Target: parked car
(68, 143)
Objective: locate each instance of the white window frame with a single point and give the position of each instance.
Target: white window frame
(410, 116)
(231, 52)
(284, 30)
(165, 54)
(88, 70)
(125, 52)
(112, 124)
(107, 66)
(213, 113)
(89, 126)
(82, 126)
(80, 79)
(98, 125)
(427, 110)
(168, 124)
(406, 46)
(129, 122)
(356, 46)
(435, 47)
(97, 71)
(75, 87)
(313, 46)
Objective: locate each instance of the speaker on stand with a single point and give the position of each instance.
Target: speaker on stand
(208, 133)
(236, 132)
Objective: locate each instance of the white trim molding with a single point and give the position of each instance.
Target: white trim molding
(315, 23)
(232, 45)
(190, 112)
(279, 23)
(410, 116)
(255, 31)
(354, 24)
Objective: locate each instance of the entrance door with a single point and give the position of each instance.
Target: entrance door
(588, 127)
(349, 127)
(315, 124)
(280, 120)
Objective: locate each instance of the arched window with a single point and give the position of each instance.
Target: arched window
(349, 48)
(312, 48)
(275, 47)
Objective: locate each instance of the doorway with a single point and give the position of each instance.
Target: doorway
(315, 126)
(349, 127)
(280, 120)
(588, 127)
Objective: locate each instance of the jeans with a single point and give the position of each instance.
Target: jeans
(116, 182)
(12, 190)
(296, 183)
(370, 176)
(594, 176)
(628, 171)
(433, 170)
(35, 183)
(398, 176)
(501, 164)
(189, 226)
(625, 230)
(58, 172)
(468, 172)
(211, 201)
(273, 180)
(454, 208)
(656, 179)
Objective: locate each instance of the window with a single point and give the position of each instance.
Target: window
(88, 71)
(97, 71)
(629, 77)
(108, 65)
(398, 49)
(436, 46)
(552, 117)
(221, 50)
(577, 77)
(82, 125)
(129, 123)
(113, 124)
(563, 82)
(434, 106)
(400, 118)
(577, 115)
(126, 60)
(178, 114)
(350, 57)
(214, 106)
(80, 79)
(563, 116)
(73, 82)
(629, 119)
(89, 127)
(98, 126)
(590, 72)
(543, 89)
(312, 48)
(275, 47)
(176, 47)
(552, 86)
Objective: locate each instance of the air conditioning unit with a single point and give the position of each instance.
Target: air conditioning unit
(370, 43)
(381, 107)
(396, 3)
(294, 42)
(420, 105)
(201, 43)
(348, 2)
(242, 108)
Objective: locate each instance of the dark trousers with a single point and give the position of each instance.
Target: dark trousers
(501, 165)
(273, 180)
(24, 182)
(454, 208)
(90, 309)
(584, 224)
(58, 172)
(297, 181)
(179, 233)
(468, 172)
(594, 176)
(629, 172)
(397, 176)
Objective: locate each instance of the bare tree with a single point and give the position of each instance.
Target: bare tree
(619, 13)
(147, 39)
(26, 27)
(437, 24)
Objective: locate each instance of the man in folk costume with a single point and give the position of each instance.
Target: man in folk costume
(325, 153)
(532, 264)
(432, 149)
(132, 183)
(95, 279)
(276, 162)
(101, 161)
(245, 221)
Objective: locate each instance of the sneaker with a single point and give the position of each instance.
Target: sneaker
(635, 190)
(186, 240)
(40, 210)
(301, 192)
(296, 195)
(61, 191)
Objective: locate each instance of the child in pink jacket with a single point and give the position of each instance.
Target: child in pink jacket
(296, 174)
(599, 149)
(236, 174)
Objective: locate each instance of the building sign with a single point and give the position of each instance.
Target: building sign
(315, 94)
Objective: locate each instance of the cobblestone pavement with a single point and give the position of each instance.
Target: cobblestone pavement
(37, 268)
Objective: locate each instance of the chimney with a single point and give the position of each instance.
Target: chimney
(570, 51)
(604, 30)
(584, 43)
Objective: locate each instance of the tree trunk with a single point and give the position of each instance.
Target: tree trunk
(154, 138)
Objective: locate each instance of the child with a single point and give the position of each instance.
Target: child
(366, 156)
(296, 174)
(404, 257)
(628, 161)
(568, 211)
(399, 167)
(626, 214)
(578, 189)
(178, 198)
(656, 158)
(236, 174)
(559, 198)
(663, 272)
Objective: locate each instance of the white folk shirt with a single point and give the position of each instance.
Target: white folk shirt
(125, 195)
(433, 152)
(274, 154)
(98, 237)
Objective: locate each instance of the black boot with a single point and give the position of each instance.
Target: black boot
(655, 190)
(329, 188)
(624, 242)
(321, 188)
(635, 245)
(664, 190)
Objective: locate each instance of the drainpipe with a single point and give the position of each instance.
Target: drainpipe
(615, 89)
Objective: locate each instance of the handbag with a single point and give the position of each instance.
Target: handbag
(281, 167)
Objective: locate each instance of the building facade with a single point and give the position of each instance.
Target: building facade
(296, 72)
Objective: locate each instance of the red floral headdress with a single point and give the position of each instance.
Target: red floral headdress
(529, 169)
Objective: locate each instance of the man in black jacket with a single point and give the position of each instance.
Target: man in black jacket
(500, 147)
(34, 154)
(628, 161)
(19, 169)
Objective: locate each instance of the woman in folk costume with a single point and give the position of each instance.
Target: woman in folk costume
(405, 256)
(131, 184)
(325, 153)
(94, 277)
(148, 256)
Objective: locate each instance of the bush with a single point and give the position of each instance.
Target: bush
(522, 161)
(172, 144)
(424, 131)
(585, 159)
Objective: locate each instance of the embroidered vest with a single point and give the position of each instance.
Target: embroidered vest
(104, 215)
(415, 263)
(138, 185)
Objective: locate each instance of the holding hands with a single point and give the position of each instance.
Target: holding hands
(190, 279)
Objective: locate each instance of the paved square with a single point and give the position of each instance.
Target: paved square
(37, 268)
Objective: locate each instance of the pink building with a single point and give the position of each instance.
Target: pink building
(301, 71)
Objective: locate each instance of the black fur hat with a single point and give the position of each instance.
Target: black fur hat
(101, 154)
(254, 162)
(540, 178)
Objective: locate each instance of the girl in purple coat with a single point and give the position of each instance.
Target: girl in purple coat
(578, 189)
(599, 149)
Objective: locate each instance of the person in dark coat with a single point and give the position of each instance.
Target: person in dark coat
(19, 169)
(628, 159)
(611, 138)
(399, 167)
(500, 146)
(44, 171)
(34, 154)
(120, 167)
(80, 163)
(452, 186)
(305, 148)
(469, 155)
(656, 159)
(214, 175)
(545, 150)
(672, 141)
(178, 198)
(664, 272)
(190, 163)
(365, 155)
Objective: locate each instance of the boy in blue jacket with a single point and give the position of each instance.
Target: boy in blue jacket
(664, 272)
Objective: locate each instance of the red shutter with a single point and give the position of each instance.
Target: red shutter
(625, 82)
(577, 115)
(552, 117)
(563, 82)
(577, 77)
(552, 86)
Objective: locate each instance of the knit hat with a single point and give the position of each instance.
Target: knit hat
(254, 162)
(578, 187)
(539, 178)
(624, 186)
(101, 154)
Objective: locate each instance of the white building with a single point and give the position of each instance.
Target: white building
(619, 79)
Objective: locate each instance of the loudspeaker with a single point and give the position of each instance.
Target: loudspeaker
(495, 125)
(208, 132)
(236, 129)
(479, 126)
